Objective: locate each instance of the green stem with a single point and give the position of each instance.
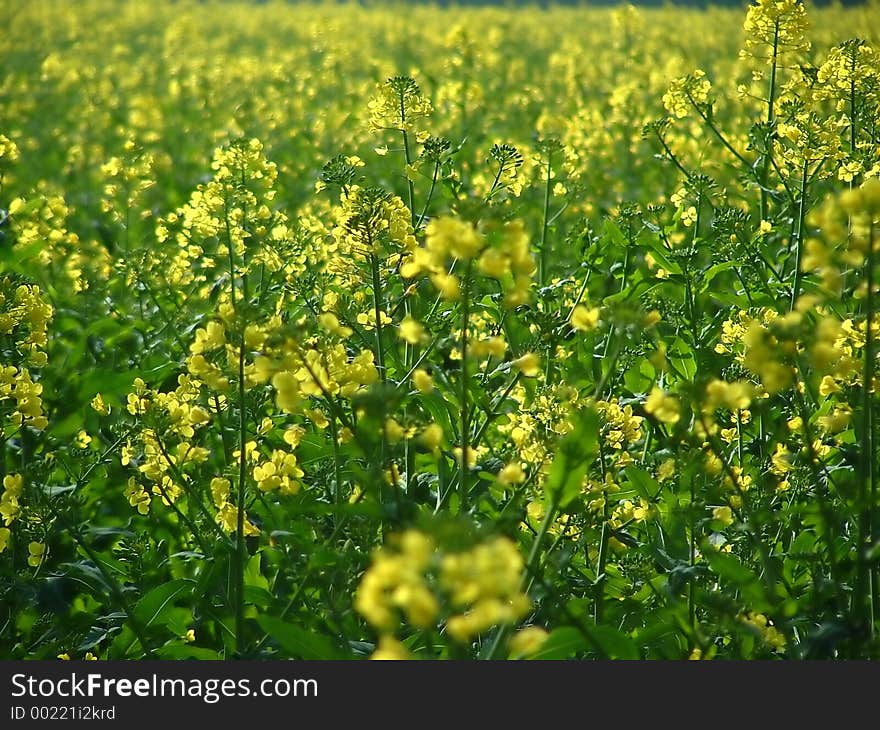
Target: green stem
(717, 132)
(241, 552)
(601, 561)
(377, 311)
(465, 412)
(421, 218)
(337, 491)
(798, 256)
(692, 558)
(542, 271)
(868, 490)
(672, 157)
(240, 548)
(406, 156)
(771, 116)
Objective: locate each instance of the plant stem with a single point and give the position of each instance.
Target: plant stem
(465, 413)
(868, 492)
(377, 311)
(692, 558)
(406, 156)
(240, 548)
(798, 256)
(421, 218)
(771, 116)
(337, 491)
(601, 561)
(542, 271)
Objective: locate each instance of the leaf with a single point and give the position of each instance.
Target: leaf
(87, 573)
(727, 566)
(643, 482)
(563, 643)
(660, 254)
(96, 635)
(566, 642)
(300, 643)
(713, 271)
(615, 643)
(256, 596)
(186, 651)
(253, 576)
(154, 606)
(614, 234)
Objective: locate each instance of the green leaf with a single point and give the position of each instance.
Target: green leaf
(615, 643)
(186, 651)
(713, 271)
(643, 482)
(253, 576)
(727, 566)
(300, 643)
(256, 596)
(158, 603)
(660, 254)
(614, 234)
(563, 643)
(566, 642)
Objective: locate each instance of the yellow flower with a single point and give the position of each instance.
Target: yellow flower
(330, 322)
(511, 474)
(733, 396)
(412, 331)
(691, 89)
(390, 648)
(227, 518)
(527, 641)
(689, 216)
(447, 237)
(663, 407)
(13, 484)
(585, 319)
(423, 382)
(447, 284)
(36, 553)
(666, 470)
(724, 515)
(394, 432)
(529, 364)
(220, 490)
(781, 461)
(828, 386)
(287, 391)
(432, 437)
(293, 435)
(99, 405)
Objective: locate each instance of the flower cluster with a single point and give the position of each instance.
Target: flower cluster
(24, 318)
(469, 590)
(686, 92)
(501, 252)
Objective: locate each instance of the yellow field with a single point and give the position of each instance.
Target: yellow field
(341, 330)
